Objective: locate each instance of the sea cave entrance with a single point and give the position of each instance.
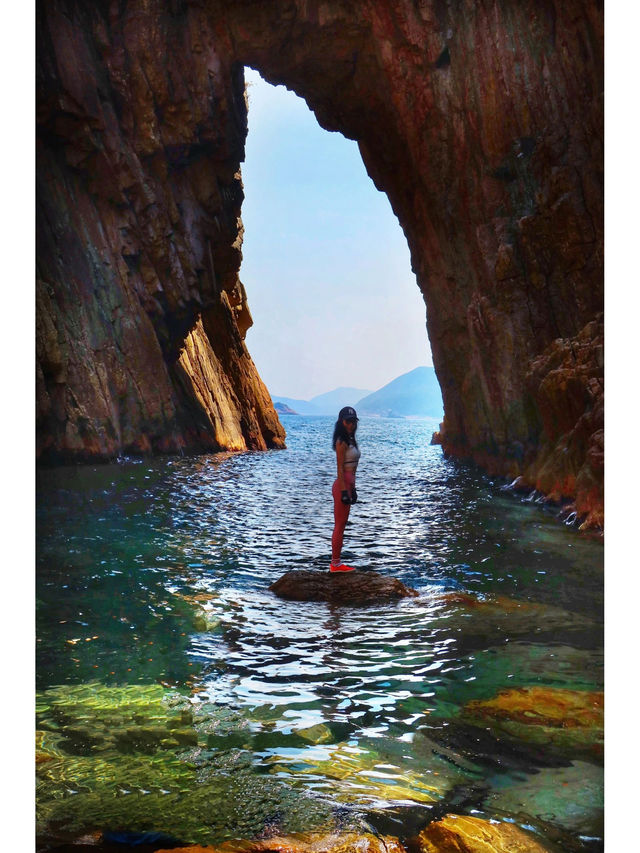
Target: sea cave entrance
(326, 266)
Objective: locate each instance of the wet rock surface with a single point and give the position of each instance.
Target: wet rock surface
(569, 721)
(464, 834)
(569, 798)
(343, 587)
(142, 120)
(305, 843)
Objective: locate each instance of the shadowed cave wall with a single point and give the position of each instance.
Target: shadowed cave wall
(483, 123)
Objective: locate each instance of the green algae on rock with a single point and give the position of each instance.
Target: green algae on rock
(570, 798)
(114, 757)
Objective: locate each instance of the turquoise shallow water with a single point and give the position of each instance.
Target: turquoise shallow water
(173, 685)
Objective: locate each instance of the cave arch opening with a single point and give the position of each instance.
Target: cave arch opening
(491, 158)
(325, 262)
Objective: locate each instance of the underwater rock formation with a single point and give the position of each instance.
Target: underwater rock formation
(483, 124)
(142, 757)
(569, 798)
(569, 721)
(304, 843)
(339, 588)
(499, 616)
(467, 834)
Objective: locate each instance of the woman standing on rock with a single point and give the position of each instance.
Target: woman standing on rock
(344, 487)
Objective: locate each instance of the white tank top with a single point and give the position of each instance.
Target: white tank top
(352, 457)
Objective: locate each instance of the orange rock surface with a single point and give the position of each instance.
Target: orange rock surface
(569, 721)
(544, 706)
(461, 834)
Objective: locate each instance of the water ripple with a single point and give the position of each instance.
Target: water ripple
(157, 572)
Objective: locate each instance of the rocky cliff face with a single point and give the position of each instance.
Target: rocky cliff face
(483, 123)
(141, 315)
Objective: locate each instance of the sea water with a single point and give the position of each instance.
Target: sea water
(177, 695)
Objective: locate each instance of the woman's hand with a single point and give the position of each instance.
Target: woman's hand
(344, 497)
(354, 495)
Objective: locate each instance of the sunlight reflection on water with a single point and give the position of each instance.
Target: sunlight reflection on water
(157, 571)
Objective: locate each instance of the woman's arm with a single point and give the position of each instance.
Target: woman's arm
(341, 449)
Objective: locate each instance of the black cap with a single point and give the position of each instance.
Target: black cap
(347, 414)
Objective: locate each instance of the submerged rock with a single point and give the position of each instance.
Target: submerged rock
(320, 733)
(521, 664)
(143, 758)
(372, 773)
(546, 706)
(463, 834)
(569, 798)
(304, 843)
(572, 721)
(500, 615)
(344, 587)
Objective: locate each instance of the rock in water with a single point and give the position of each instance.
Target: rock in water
(570, 798)
(344, 587)
(475, 835)
(311, 842)
(569, 721)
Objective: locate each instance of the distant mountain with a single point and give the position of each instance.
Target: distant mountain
(301, 407)
(415, 393)
(331, 402)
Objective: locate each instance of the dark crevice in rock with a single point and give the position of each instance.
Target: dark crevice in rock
(444, 60)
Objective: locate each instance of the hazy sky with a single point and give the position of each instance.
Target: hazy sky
(326, 265)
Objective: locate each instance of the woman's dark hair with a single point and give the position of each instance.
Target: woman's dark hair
(340, 434)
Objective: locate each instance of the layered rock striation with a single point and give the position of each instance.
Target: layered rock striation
(482, 122)
(141, 315)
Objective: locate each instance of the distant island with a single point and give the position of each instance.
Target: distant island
(283, 409)
(414, 394)
(329, 403)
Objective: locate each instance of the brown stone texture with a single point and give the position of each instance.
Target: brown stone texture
(570, 720)
(462, 834)
(567, 384)
(304, 843)
(140, 312)
(339, 587)
(482, 122)
(551, 706)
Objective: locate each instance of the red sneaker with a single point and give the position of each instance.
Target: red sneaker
(341, 568)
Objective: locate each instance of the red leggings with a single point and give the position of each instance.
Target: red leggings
(340, 515)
